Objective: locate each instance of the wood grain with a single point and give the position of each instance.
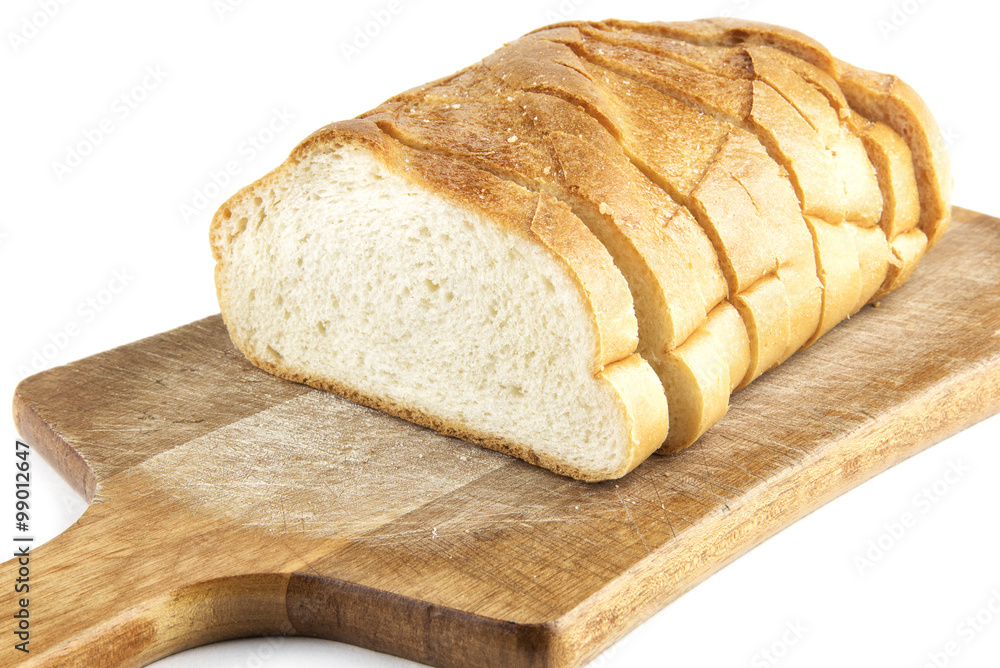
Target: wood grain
(226, 502)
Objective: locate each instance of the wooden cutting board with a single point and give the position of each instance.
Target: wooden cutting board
(226, 502)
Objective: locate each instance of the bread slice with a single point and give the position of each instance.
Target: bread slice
(907, 249)
(894, 166)
(439, 293)
(839, 271)
(874, 254)
(700, 374)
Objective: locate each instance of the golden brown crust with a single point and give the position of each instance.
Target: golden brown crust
(891, 101)
(712, 44)
(701, 373)
(894, 167)
(639, 395)
(879, 97)
(796, 121)
(907, 249)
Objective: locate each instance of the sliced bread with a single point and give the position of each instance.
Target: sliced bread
(544, 251)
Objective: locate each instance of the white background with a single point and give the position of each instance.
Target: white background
(225, 70)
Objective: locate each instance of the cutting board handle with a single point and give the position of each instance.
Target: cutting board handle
(89, 601)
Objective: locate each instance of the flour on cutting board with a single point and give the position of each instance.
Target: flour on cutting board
(319, 465)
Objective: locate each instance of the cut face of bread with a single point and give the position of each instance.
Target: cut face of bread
(342, 272)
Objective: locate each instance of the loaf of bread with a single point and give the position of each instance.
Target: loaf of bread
(575, 250)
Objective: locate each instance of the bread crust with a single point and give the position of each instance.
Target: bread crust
(878, 97)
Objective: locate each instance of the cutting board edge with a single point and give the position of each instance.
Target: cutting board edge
(45, 441)
(421, 631)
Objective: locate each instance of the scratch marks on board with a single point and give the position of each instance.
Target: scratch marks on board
(318, 465)
(631, 520)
